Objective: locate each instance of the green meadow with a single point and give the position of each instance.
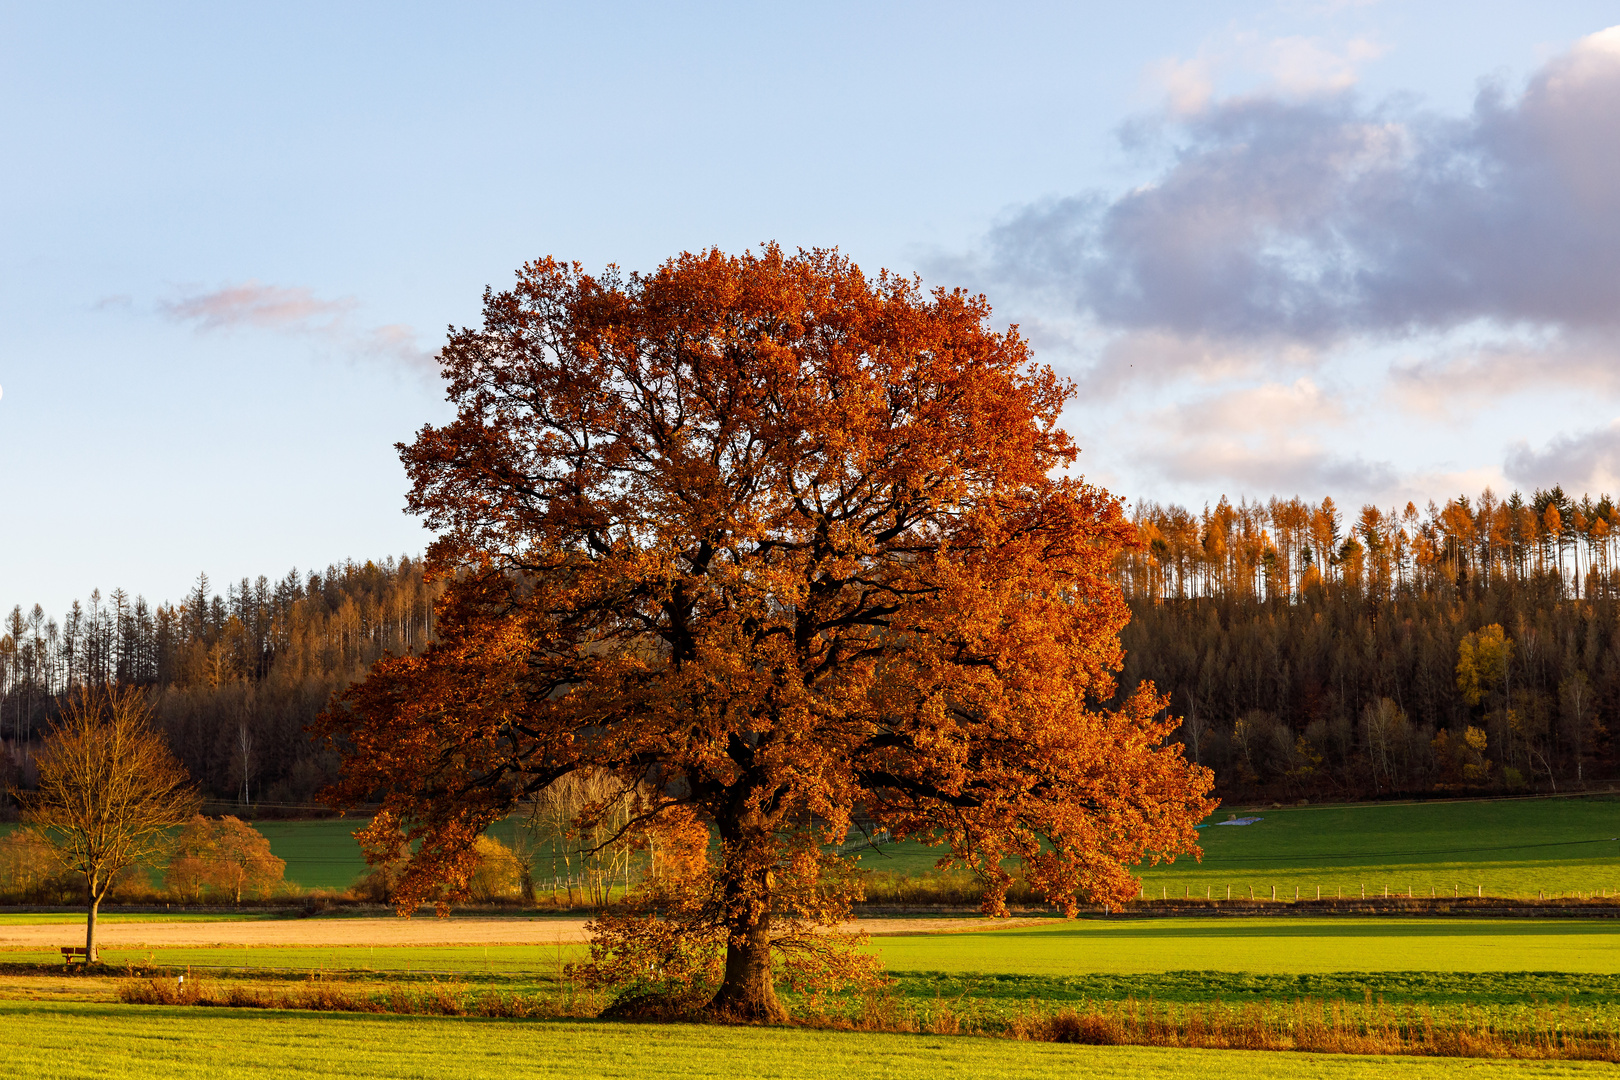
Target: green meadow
(321, 854)
(1271, 946)
(59, 1040)
(1514, 847)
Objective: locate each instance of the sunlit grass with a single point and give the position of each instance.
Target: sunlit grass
(1266, 945)
(1079, 947)
(50, 1041)
(1515, 848)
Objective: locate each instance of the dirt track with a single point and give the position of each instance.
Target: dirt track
(421, 930)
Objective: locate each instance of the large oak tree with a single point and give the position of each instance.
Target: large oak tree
(778, 542)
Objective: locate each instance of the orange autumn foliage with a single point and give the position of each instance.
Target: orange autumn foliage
(774, 541)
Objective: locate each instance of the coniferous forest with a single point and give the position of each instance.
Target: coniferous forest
(1470, 646)
(1473, 646)
(234, 678)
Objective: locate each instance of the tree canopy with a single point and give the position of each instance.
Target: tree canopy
(776, 542)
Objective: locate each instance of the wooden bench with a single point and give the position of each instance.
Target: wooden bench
(70, 956)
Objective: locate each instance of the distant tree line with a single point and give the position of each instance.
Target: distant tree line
(234, 678)
(1310, 654)
(1465, 647)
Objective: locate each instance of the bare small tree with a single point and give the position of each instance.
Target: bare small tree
(582, 819)
(110, 792)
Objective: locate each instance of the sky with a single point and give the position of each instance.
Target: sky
(1359, 249)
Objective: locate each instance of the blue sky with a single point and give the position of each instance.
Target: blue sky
(1362, 249)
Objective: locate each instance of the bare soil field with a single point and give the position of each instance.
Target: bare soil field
(394, 931)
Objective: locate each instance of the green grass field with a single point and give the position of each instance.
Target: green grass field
(1509, 968)
(320, 854)
(62, 1040)
(1283, 945)
(1509, 848)
(1083, 947)
(1515, 847)
(323, 854)
(1503, 848)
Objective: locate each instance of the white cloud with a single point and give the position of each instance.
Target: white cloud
(265, 307)
(1266, 437)
(1302, 66)
(1452, 378)
(1187, 85)
(1290, 66)
(297, 310)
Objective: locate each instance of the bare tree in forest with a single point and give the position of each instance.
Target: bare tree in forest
(109, 792)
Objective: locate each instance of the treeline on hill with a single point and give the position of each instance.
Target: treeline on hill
(234, 678)
(1473, 646)
(1465, 647)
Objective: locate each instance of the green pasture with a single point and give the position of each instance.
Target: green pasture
(323, 854)
(320, 854)
(71, 1040)
(1516, 847)
(1504, 848)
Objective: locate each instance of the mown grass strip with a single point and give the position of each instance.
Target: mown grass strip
(1266, 946)
(1261, 946)
(58, 1041)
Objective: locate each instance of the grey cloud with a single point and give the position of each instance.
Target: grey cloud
(1588, 460)
(1320, 219)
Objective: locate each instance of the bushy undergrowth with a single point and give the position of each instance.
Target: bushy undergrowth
(939, 888)
(1329, 1027)
(328, 995)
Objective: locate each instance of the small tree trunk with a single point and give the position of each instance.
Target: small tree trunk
(94, 903)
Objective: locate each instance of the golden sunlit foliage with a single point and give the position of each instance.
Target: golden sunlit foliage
(770, 541)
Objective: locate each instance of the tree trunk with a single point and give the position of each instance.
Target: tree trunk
(748, 992)
(94, 903)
